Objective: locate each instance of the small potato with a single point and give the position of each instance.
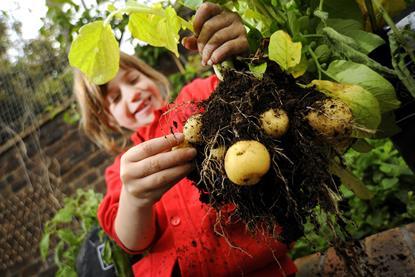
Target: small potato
(246, 162)
(274, 122)
(218, 153)
(332, 120)
(192, 128)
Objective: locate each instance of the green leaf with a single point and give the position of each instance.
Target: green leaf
(157, 30)
(258, 70)
(351, 181)
(387, 127)
(367, 41)
(67, 236)
(364, 106)
(362, 146)
(191, 4)
(254, 39)
(63, 216)
(95, 52)
(348, 9)
(44, 246)
(358, 74)
(300, 68)
(283, 50)
(389, 183)
(354, 29)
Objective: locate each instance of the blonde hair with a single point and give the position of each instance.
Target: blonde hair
(97, 122)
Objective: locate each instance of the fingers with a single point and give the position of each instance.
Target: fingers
(216, 29)
(229, 41)
(190, 43)
(152, 187)
(152, 147)
(203, 14)
(160, 162)
(230, 48)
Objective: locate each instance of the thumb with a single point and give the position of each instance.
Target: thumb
(190, 43)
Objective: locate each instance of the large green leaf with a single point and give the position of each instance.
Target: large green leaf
(157, 30)
(364, 106)
(95, 52)
(354, 29)
(283, 50)
(359, 74)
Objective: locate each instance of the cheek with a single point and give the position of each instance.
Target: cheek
(117, 113)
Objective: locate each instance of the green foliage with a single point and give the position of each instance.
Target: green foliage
(359, 74)
(68, 229)
(390, 180)
(154, 25)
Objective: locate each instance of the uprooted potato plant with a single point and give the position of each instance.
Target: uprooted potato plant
(263, 147)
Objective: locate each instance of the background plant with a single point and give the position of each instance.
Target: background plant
(67, 231)
(387, 176)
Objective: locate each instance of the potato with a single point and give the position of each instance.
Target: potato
(218, 153)
(332, 120)
(274, 122)
(192, 128)
(246, 162)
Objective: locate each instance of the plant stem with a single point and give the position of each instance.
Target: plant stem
(320, 7)
(319, 68)
(312, 36)
(315, 59)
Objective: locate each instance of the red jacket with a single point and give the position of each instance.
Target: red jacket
(185, 226)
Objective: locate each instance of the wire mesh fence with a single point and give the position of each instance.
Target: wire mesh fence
(30, 92)
(33, 89)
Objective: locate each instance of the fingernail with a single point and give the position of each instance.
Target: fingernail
(209, 62)
(203, 63)
(183, 41)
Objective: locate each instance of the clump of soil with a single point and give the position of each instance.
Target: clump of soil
(299, 177)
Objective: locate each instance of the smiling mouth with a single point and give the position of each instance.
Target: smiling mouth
(144, 105)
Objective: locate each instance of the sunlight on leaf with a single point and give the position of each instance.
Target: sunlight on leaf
(95, 52)
(159, 31)
(283, 50)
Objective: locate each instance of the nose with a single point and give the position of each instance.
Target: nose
(131, 97)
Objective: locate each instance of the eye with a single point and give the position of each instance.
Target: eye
(114, 97)
(134, 79)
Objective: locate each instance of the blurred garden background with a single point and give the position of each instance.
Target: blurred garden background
(50, 172)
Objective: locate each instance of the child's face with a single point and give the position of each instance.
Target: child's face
(132, 97)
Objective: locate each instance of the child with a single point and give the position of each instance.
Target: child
(149, 206)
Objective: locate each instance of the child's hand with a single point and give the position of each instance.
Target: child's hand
(149, 169)
(219, 34)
